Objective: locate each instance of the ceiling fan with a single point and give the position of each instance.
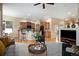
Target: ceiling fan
(43, 4)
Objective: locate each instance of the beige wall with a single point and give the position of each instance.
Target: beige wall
(0, 19)
(55, 23)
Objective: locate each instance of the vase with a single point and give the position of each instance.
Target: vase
(73, 25)
(68, 26)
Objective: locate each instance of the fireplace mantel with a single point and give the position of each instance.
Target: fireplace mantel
(68, 28)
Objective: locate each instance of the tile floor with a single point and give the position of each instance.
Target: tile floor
(21, 48)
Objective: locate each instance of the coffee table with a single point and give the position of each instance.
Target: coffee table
(37, 49)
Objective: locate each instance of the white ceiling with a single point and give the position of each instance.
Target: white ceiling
(27, 10)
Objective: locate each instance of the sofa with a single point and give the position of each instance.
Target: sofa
(7, 46)
(72, 51)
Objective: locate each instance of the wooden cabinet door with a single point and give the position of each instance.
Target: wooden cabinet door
(46, 25)
(23, 25)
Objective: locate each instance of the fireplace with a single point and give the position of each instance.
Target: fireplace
(68, 36)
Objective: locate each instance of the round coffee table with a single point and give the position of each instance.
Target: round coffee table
(37, 49)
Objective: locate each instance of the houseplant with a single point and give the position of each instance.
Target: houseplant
(37, 36)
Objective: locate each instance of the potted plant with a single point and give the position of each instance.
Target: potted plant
(37, 36)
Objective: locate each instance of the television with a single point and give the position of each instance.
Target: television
(68, 34)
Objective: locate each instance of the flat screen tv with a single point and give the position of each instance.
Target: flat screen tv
(68, 37)
(68, 34)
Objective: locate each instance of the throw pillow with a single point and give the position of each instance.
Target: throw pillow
(6, 40)
(75, 49)
(2, 48)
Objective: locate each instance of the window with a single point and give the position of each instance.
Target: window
(8, 27)
(8, 24)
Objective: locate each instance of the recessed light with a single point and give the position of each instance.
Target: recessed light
(69, 13)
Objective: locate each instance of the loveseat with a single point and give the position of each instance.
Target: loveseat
(7, 46)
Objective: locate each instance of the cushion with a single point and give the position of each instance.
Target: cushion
(75, 49)
(6, 40)
(2, 48)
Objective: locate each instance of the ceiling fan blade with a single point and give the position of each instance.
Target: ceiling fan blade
(50, 3)
(43, 6)
(37, 4)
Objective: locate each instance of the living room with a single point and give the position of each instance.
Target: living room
(21, 21)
